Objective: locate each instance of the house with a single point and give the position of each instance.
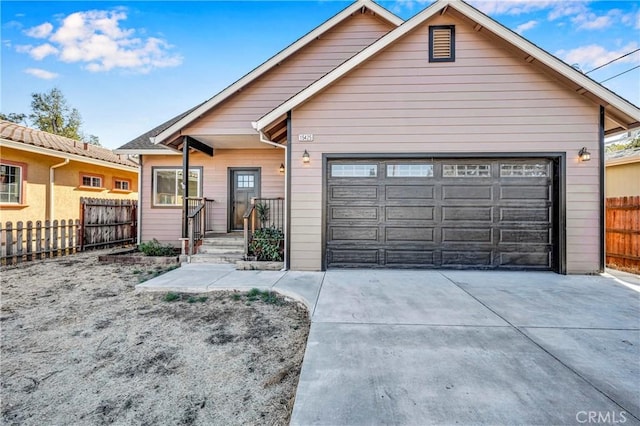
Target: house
(623, 170)
(446, 141)
(43, 176)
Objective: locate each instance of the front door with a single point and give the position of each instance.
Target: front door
(244, 185)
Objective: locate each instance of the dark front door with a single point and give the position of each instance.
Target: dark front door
(244, 185)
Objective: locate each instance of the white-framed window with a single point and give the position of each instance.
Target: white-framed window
(92, 181)
(524, 170)
(354, 170)
(168, 187)
(11, 184)
(466, 170)
(122, 185)
(410, 170)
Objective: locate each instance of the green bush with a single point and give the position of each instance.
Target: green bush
(154, 248)
(267, 244)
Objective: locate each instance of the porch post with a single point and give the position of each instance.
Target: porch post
(185, 187)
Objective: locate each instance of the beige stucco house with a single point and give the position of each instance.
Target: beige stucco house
(446, 141)
(43, 176)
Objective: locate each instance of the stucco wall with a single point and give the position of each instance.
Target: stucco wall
(67, 188)
(623, 180)
(487, 101)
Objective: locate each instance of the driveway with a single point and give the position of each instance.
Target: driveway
(470, 347)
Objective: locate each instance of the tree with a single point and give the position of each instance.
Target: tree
(51, 113)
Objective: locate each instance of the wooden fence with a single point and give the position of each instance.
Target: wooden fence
(103, 223)
(623, 233)
(38, 241)
(106, 223)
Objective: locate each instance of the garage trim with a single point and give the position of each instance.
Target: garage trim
(558, 160)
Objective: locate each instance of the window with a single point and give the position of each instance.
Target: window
(524, 170)
(466, 170)
(121, 185)
(168, 185)
(91, 181)
(442, 43)
(245, 181)
(354, 170)
(409, 170)
(11, 184)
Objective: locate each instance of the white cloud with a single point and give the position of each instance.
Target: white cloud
(96, 39)
(593, 55)
(41, 31)
(591, 21)
(519, 7)
(526, 26)
(40, 73)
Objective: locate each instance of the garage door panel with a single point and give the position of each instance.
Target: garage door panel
(524, 214)
(525, 236)
(409, 213)
(526, 259)
(408, 234)
(408, 258)
(475, 192)
(409, 192)
(360, 213)
(466, 258)
(470, 235)
(349, 233)
(525, 193)
(354, 192)
(354, 257)
(468, 213)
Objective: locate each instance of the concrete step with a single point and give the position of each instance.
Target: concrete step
(220, 250)
(223, 241)
(207, 258)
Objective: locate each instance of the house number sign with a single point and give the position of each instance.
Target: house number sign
(305, 137)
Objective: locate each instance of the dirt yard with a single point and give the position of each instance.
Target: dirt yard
(80, 346)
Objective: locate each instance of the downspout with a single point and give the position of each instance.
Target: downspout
(51, 186)
(139, 218)
(264, 139)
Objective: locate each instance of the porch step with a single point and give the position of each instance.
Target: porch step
(220, 248)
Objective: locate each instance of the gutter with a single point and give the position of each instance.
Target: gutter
(51, 186)
(264, 139)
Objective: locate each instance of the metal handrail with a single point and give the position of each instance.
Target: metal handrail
(197, 222)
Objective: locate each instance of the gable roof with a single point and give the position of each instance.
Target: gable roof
(21, 137)
(275, 60)
(624, 114)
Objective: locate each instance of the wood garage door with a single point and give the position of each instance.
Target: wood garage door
(443, 213)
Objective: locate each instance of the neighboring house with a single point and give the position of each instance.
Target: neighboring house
(444, 141)
(623, 171)
(43, 176)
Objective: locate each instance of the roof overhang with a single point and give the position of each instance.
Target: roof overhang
(146, 152)
(64, 155)
(620, 114)
(173, 131)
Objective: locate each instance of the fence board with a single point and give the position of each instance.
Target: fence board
(106, 223)
(623, 233)
(17, 240)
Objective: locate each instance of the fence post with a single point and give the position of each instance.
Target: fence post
(47, 238)
(19, 239)
(9, 241)
(29, 240)
(81, 229)
(39, 239)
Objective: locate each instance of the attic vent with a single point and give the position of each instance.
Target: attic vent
(442, 40)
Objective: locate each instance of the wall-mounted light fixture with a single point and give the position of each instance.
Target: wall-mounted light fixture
(584, 154)
(281, 168)
(305, 157)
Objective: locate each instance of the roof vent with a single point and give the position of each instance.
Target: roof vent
(442, 43)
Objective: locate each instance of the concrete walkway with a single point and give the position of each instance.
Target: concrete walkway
(454, 347)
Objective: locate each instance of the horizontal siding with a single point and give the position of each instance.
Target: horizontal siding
(486, 101)
(292, 75)
(164, 224)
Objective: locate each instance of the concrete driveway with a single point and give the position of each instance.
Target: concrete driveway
(470, 347)
(453, 347)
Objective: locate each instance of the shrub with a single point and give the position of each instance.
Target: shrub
(154, 248)
(267, 244)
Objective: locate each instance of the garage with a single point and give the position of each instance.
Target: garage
(481, 213)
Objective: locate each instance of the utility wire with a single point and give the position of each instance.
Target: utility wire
(612, 61)
(623, 72)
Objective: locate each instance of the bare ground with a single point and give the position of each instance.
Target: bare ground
(80, 346)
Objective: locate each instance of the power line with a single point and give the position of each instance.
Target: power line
(623, 72)
(612, 61)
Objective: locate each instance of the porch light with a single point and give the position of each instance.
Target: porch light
(584, 154)
(305, 157)
(281, 168)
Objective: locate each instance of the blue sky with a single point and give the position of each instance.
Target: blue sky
(128, 66)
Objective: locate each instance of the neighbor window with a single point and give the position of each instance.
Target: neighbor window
(168, 185)
(442, 43)
(11, 184)
(91, 181)
(354, 170)
(121, 185)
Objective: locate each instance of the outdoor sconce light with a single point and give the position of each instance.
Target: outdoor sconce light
(305, 157)
(584, 154)
(281, 168)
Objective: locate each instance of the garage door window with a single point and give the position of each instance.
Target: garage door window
(524, 170)
(354, 170)
(409, 170)
(466, 170)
